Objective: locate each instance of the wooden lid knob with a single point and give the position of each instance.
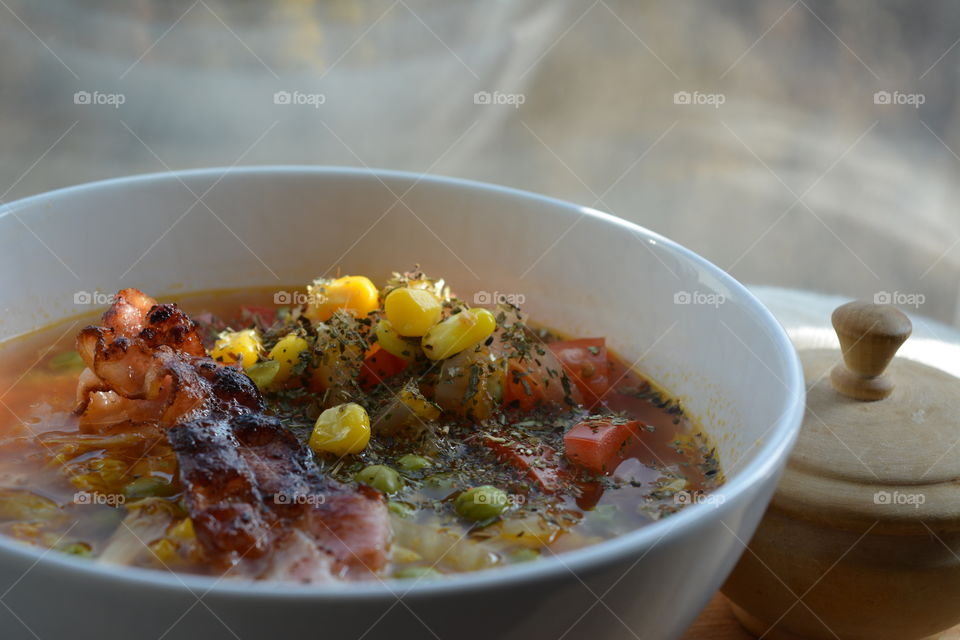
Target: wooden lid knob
(870, 335)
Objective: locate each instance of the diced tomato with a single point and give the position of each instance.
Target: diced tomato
(590, 494)
(540, 463)
(266, 315)
(520, 389)
(378, 365)
(600, 444)
(585, 361)
(538, 379)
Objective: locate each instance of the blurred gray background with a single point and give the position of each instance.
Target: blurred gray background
(751, 132)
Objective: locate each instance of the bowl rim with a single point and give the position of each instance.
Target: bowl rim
(774, 446)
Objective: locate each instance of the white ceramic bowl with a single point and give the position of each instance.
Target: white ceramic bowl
(687, 323)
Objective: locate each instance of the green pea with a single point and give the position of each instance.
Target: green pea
(263, 373)
(481, 503)
(401, 509)
(417, 572)
(81, 549)
(147, 487)
(66, 361)
(413, 462)
(381, 477)
(441, 481)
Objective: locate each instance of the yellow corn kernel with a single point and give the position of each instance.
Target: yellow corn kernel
(164, 550)
(238, 346)
(412, 311)
(461, 331)
(341, 430)
(108, 475)
(355, 294)
(183, 530)
(287, 353)
(402, 554)
(391, 342)
(419, 405)
(529, 531)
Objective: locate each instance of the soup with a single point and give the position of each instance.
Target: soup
(347, 432)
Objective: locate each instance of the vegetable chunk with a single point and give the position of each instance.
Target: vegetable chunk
(600, 444)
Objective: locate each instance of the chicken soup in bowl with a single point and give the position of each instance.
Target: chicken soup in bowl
(576, 430)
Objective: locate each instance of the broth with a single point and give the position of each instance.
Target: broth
(114, 492)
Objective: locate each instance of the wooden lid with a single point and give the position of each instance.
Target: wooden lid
(880, 441)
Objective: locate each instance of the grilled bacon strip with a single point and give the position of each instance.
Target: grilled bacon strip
(259, 504)
(252, 489)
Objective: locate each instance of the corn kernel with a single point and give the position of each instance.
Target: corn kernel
(341, 430)
(458, 332)
(412, 311)
(183, 530)
(111, 473)
(355, 294)
(287, 353)
(238, 346)
(164, 550)
(402, 554)
(419, 405)
(391, 342)
(529, 531)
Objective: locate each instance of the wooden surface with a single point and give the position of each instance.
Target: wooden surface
(717, 623)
